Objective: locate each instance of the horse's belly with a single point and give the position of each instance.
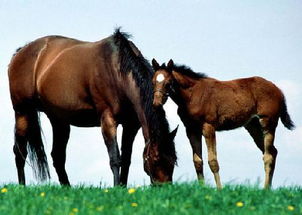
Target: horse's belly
(76, 117)
(84, 118)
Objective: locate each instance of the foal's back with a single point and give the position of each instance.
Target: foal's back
(230, 104)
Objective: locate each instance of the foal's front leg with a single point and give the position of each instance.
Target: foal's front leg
(195, 141)
(208, 132)
(109, 125)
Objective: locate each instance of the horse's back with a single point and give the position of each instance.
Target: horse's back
(28, 60)
(79, 80)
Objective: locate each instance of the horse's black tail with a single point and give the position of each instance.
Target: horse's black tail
(285, 118)
(36, 151)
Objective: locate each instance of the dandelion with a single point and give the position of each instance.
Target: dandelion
(100, 208)
(75, 210)
(106, 190)
(42, 194)
(239, 204)
(134, 204)
(4, 190)
(290, 208)
(207, 197)
(131, 190)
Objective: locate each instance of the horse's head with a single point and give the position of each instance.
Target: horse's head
(158, 162)
(162, 81)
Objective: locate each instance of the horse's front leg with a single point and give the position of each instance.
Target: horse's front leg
(208, 132)
(129, 133)
(194, 136)
(108, 124)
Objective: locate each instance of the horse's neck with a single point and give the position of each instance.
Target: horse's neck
(133, 94)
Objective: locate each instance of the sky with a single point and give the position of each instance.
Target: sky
(224, 39)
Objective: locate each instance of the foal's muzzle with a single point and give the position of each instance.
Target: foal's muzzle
(159, 98)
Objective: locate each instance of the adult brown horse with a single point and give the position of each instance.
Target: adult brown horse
(103, 83)
(206, 105)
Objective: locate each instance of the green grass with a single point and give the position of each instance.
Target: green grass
(168, 199)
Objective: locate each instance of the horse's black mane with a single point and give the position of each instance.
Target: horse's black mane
(187, 71)
(142, 72)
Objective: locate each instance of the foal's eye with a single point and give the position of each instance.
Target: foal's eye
(160, 78)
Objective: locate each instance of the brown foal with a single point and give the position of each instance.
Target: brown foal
(206, 105)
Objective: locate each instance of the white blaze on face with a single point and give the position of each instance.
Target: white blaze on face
(160, 78)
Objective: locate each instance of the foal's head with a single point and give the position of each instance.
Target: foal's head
(162, 82)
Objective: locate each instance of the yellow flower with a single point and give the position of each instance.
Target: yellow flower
(106, 190)
(42, 194)
(100, 208)
(75, 210)
(290, 208)
(207, 197)
(134, 204)
(131, 190)
(239, 204)
(4, 190)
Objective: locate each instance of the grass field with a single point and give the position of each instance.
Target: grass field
(168, 199)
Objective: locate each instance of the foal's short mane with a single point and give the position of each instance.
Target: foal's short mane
(187, 71)
(131, 60)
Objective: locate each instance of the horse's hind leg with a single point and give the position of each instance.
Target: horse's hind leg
(20, 147)
(109, 125)
(195, 141)
(60, 138)
(129, 133)
(208, 132)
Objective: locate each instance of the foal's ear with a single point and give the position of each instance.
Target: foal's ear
(155, 65)
(170, 65)
(173, 133)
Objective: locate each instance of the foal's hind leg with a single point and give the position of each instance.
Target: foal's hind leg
(21, 138)
(129, 133)
(255, 130)
(270, 152)
(195, 141)
(60, 138)
(108, 125)
(263, 135)
(208, 132)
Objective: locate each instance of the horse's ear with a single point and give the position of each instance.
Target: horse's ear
(170, 65)
(155, 65)
(173, 133)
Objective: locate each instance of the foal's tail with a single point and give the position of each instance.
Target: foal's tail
(36, 151)
(285, 118)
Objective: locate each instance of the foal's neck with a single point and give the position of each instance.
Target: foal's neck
(183, 87)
